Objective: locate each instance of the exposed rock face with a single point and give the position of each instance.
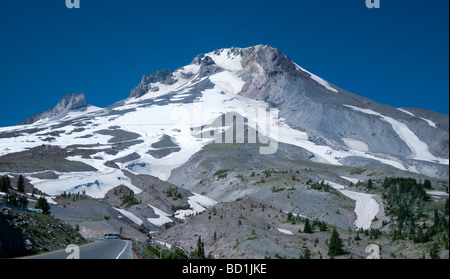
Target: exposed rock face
(71, 102)
(163, 76)
(11, 241)
(23, 233)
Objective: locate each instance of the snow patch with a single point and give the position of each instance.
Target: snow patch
(198, 204)
(226, 60)
(437, 193)
(162, 219)
(130, 216)
(319, 80)
(356, 144)
(366, 207)
(407, 112)
(431, 123)
(165, 244)
(288, 232)
(336, 186)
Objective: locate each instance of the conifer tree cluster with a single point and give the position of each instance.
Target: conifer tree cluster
(199, 252)
(11, 197)
(15, 200)
(5, 184)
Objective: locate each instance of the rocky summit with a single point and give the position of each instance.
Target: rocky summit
(71, 103)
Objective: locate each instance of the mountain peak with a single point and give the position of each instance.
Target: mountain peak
(69, 103)
(72, 101)
(231, 59)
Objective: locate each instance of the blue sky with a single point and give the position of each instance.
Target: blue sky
(396, 55)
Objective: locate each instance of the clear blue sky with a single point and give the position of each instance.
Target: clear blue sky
(396, 55)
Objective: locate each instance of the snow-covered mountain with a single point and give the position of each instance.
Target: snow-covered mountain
(170, 116)
(344, 128)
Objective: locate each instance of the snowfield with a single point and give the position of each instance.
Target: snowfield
(288, 232)
(366, 207)
(198, 204)
(95, 184)
(162, 219)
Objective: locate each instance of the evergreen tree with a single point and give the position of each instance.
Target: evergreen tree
(22, 202)
(2, 185)
(427, 184)
(43, 204)
(177, 253)
(335, 244)
(323, 226)
(20, 184)
(199, 253)
(306, 255)
(5, 184)
(307, 228)
(421, 236)
(370, 184)
(434, 251)
(446, 209)
(436, 219)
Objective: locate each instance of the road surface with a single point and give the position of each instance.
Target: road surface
(99, 249)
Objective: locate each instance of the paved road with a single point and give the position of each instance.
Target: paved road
(99, 249)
